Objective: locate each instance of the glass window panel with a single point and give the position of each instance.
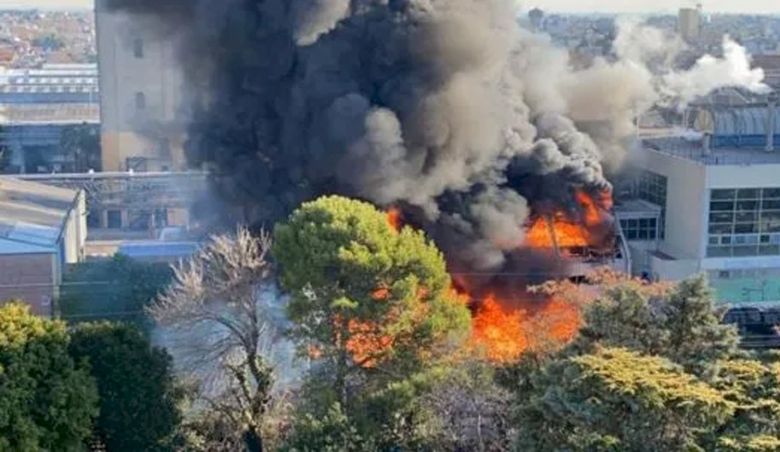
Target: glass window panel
(769, 250)
(632, 234)
(747, 217)
(716, 228)
(723, 194)
(714, 240)
(772, 193)
(765, 238)
(770, 205)
(644, 223)
(726, 240)
(748, 193)
(745, 228)
(747, 205)
(721, 206)
(721, 217)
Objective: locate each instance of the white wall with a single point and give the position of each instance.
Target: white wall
(686, 204)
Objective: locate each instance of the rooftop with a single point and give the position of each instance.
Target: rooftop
(32, 216)
(689, 149)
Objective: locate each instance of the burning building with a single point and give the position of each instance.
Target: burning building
(475, 129)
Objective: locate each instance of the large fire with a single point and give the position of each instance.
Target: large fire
(504, 327)
(562, 230)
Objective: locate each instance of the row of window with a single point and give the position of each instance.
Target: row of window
(137, 220)
(744, 222)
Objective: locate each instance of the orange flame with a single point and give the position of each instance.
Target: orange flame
(366, 343)
(395, 218)
(498, 331)
(564, 229)
(505, 330)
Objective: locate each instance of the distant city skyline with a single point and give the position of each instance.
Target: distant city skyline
(578, 6)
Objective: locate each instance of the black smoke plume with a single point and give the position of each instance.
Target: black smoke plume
(445, 107)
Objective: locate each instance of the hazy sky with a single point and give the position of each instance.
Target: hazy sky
(626, 6)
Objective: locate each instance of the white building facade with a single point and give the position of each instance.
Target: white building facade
(719, 215)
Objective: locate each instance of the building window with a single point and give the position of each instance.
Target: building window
(744, 222)
(114, 218)
(139, 220)
(140, 101)
(138, 48)
(645, 229)
(652, 187)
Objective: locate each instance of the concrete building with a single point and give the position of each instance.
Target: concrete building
(130, 205)
(141, 87)
(712, 204)
(689, 22)
(42, 229)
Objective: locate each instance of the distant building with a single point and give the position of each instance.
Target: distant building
(770, 63)
(711, 203)
(42, 229)
(38, 108)
(51, 84)
(536, 16)
(689, 23)
(34, 136)
(141, 88)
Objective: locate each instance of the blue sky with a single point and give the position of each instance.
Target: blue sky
(625, 6)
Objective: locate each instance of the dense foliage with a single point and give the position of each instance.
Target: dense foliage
(371, 304)
(649, 372)
(139, 397)
(47, 401)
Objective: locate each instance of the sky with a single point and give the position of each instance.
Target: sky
(623, 6)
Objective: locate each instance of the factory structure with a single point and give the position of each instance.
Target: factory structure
(707, 200)
(142, 125)
(41, 110)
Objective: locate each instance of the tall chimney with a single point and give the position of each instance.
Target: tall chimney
(771, 121)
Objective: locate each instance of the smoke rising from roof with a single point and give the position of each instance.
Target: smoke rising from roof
(444, 106)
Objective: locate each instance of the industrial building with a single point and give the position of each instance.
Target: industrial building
(40, 109)
(42, 229)
(708, 200)
(142, 124)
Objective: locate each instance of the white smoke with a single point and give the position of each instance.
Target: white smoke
(710, 73)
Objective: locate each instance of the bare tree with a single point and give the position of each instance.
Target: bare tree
(220, 329)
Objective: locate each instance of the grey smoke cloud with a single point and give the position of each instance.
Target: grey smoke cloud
(416, 102)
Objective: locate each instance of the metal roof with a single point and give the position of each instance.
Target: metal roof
(751, 120)
(32, 216)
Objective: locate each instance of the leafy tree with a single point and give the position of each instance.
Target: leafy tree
(115, 290)
(754, 387)
(47, 401)
(684, 325)
(139, 397)
(616, 399)
(651, 370)
(367, 300)
(214, 310)
(332, 432)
